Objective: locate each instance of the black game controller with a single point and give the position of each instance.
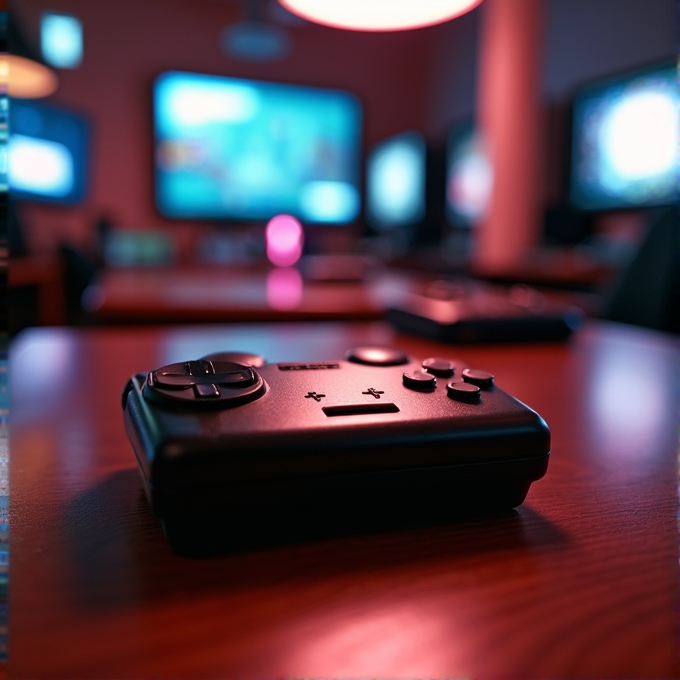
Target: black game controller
(236, 451)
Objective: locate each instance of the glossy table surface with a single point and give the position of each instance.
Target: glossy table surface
(581, 581)
(176, 295)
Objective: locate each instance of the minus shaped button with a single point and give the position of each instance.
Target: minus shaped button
(360, 409)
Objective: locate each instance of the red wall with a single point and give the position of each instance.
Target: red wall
(129, 42)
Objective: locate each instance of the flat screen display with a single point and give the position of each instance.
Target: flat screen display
(232, 149)
(47, 154)
(468, 176)
(396, 181)
(625, 141)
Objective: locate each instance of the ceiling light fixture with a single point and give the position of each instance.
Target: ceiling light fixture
(379, 15)
(21, 71)
(25, 78)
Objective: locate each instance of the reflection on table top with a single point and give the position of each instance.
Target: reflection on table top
(220, 294)
(168, 295)
(580, 581)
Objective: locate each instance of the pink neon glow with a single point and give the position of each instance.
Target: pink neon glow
(284, 237)
(284, 288)
(379, 15)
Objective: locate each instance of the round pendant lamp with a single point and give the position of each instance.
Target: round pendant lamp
(26, 78)
(21, 71)
(379, 15)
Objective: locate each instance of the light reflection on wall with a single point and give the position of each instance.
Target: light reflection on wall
(61, 40)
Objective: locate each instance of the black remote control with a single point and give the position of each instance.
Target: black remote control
(234, 450)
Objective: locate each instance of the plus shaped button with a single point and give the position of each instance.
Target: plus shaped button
(314, 395)
(374, 392)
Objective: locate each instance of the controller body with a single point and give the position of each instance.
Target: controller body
(476, 313)
(231, 450)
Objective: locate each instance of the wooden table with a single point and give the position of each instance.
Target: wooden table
(205, 294)
(581, 581)
(218, 294)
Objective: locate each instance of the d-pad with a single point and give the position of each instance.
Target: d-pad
(205, 377)
(181, 376)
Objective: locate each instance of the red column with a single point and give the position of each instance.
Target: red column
(509, 116)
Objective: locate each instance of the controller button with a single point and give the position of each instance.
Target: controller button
(476, 377)
(225, 383)
(230, 374)
(173, 381)
(438, 366)
(374, 355)
(359, 409)
(420, 380)
(462, 391)
(206, 390)
(200, 368)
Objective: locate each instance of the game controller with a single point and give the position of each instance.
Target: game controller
(473, 312)
(234, 449)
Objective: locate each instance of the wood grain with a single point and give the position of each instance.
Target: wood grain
(579, 581)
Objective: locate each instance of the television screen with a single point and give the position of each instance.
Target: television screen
(625, 141)
(468, 176)
(231, 149)
(47, 153)
(395, 182)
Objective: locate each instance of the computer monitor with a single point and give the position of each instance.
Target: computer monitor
(625, 137)
(47, 153)
(241, 150)
(403, 190)
(468, 176)
(395, 182)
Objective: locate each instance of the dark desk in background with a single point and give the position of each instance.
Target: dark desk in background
(166, 295)
(215, 294)
(45, 274)
(580, 581)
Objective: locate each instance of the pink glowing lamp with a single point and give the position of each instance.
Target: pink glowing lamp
(284, 238)
(379, 15)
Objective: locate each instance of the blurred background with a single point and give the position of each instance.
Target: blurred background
(207, 160)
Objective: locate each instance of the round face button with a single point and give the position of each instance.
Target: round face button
(476, 377)
(375, 355)
(462, 391)
(420, 380)
(439, 366)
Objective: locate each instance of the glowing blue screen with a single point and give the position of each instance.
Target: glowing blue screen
(625, 142)
(47, 153)
(395, 181)
(247, 150)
